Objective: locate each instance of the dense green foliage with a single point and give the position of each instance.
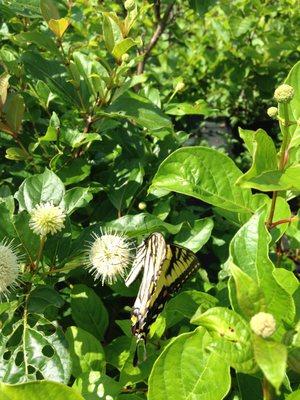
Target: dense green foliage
(96, 119)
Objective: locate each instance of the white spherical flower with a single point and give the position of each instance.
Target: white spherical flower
(263, 324)
(284, 93)
(47, 218)
(9, 268)
(109, 256)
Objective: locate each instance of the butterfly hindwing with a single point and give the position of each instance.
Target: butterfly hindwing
(165, 269)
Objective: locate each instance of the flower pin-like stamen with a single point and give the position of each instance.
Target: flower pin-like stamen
(9, 268)
(47, 218)
(109, 256)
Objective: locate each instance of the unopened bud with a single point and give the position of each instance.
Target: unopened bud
(272, 112)
(284, 93)
(179, 87)
(125, 57)
(129, 5)
(142, 206)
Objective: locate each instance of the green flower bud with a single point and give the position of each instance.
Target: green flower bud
(284, 93)
(129, 5)
(272, 112)
(125, 57)
(179, 87)
(263, 324)
(142, 206)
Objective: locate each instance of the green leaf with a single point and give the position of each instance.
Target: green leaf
(16, 153)
(271, 358)
(249, 250)
(141, 224)
(42, 188)
(186, 304)
(180, 109)
(95, 385)
(231, 337)
(37, 391)
(4, 85)
(41, 39)
(52, 130)
(124, 181)
(205, 174)
(194, 237)
(141, 110)
(76, 198)
(88, 311)
(108, 34)
(264, 158)
(293, 396)
(122, 47)
(42, 297)
(14, 110)
(86, 351)
(53, 74)
(286, 279)
(37, 347)
(249, 295)
(201, 7)
(74, 172)
(278, 180)
(49, 9)
(198, 373)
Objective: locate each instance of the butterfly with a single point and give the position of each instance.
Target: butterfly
(165, 268)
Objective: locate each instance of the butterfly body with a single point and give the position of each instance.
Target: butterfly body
(165, 269)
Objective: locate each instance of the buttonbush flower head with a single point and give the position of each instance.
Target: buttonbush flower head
(129, 5)
(263, 324)
(109, 256)
(284, 93)
(9, 267)
(47, 218)
(272, 112)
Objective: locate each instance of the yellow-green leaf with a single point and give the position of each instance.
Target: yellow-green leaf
(58, 26)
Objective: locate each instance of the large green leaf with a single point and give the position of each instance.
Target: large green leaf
(271, 358)
(76, 198)
(249, 250)
(53, 73)
(205, 174)
(86, 351)
(31, 348)
(42, 188)
(186, 371)
(14, 110)
(88, 310)
(94, 385)
(231, 337)
(140, 110)
(264, 158)
(37, 391)
(278, 180)
(194, 237)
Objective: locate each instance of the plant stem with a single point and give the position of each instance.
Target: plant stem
(272, 210)
(267, 395)
(40, 252)
(283, 221)
(162, 24)
(284, 125)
